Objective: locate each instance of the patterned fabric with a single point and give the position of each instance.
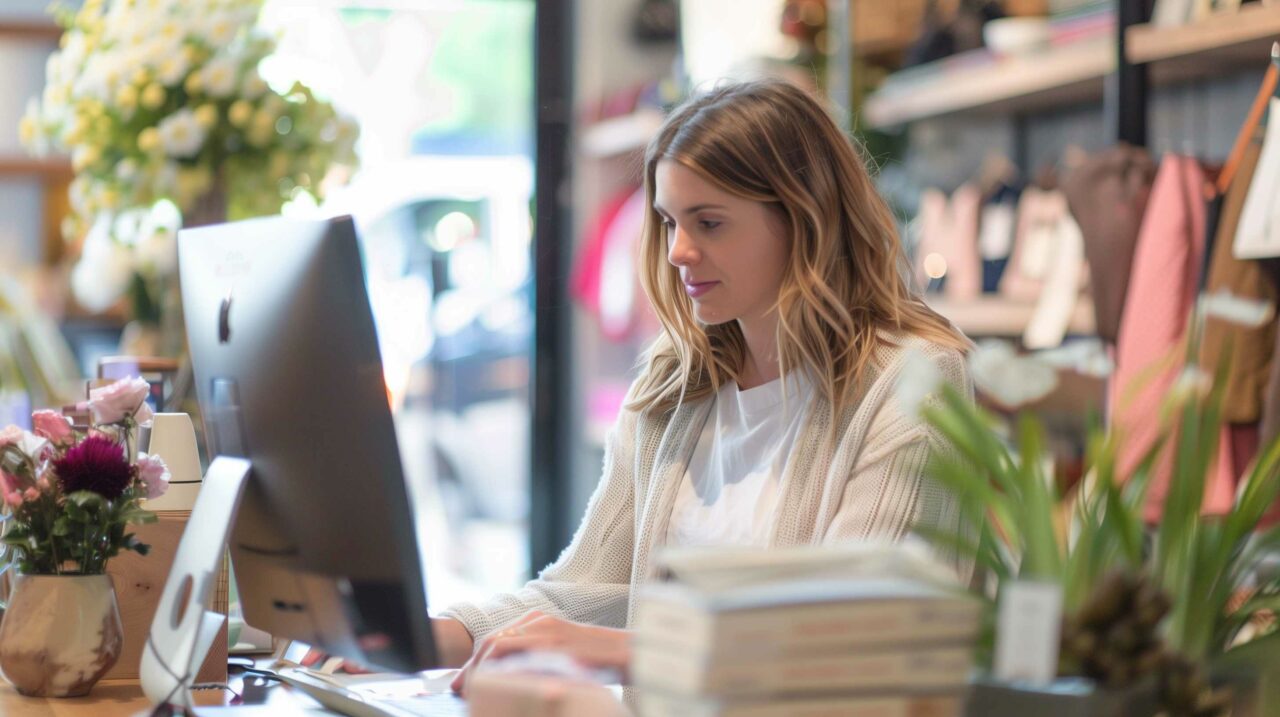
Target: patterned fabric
(869, 485)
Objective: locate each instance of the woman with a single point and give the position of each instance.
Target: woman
(764, 414)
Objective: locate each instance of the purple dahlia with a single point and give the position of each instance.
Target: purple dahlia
(96, 464)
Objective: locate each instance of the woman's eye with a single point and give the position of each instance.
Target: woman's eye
(670, 225)
(708, 224)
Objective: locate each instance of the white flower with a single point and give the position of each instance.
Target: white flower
(1010, 379)
(222, 29)
(181, 135)
(105, 268)
(918, 379)
(157, 248)
(172, 68)
(126, 228)
(1231, 308)
(157, 252)
(126, 169)
(220, 76)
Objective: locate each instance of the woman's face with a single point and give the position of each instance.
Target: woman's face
(731, 251)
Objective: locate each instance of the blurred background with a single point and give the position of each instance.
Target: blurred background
(489, 151)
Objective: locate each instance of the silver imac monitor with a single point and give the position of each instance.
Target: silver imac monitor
(288, 376)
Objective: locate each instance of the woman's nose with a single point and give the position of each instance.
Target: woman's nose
(681, 251)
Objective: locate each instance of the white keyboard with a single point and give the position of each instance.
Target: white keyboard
(334, 696)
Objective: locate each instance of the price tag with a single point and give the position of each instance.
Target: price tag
(1028, 629)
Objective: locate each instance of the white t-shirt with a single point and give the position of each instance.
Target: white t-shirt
(730, 491)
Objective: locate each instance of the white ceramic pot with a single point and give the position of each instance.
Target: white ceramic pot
(60, 634)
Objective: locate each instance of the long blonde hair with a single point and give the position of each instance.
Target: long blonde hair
(772, 142)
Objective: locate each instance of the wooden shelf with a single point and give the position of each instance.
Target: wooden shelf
(28, 166)
(978, 83)
(997, 316)
(33, 29)
(1205, 48)
(984, 83)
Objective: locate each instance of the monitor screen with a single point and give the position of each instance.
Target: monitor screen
(288, 375)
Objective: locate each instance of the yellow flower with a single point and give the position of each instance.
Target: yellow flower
(127, 98)
(27, 130)
(207, 116)
(109, 199)
(141, 76)
(240, 113)
(194, 85)
(84, 157)
(149, 140)
(76, 131)
(153, 97)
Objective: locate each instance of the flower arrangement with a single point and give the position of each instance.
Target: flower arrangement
(69, 495)
(163, 100)
(1165, 602)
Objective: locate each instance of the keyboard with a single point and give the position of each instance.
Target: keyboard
(353, 703)
(426, 706)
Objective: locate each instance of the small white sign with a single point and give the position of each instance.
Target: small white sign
(1028, 629)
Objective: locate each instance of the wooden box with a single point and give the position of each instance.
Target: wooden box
(139, 583)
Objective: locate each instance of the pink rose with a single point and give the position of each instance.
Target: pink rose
(13, 498)
(154, 474)
(122, 399)
(31, 494)
(53, 426)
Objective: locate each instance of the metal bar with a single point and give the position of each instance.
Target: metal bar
(549, 523)
(1125, 106)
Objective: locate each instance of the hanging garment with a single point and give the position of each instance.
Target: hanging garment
(1107, 196)
(1160, 296)
(948, 248)
(1250, 348)
(1042, 217)
(605, 279)
(1258, 236)
(995, 233)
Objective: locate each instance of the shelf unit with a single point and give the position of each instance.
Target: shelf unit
(47, 169)
(1001, 317)
(1202, 49)
(981, 83)
(34, 29)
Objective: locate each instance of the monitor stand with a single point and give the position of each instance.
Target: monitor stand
(184, 627)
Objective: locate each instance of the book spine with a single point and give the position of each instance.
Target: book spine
(786, 631)
(652, 705)
(679, 673)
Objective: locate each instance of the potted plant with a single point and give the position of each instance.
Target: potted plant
(169, 121)
(69, 497)
(1158, 607)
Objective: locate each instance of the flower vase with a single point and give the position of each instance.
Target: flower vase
(60, 634)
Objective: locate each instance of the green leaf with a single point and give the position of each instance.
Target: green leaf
(61, 526)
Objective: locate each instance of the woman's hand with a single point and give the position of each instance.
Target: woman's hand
(452, 640)
(592, 646)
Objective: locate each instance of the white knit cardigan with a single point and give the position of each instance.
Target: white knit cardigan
(871, 486)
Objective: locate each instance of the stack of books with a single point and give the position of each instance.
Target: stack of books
(804, 646)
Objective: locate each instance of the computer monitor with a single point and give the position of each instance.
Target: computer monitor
(288, 375)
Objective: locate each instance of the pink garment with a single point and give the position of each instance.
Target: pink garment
(605, 278)
(950, 229)
(1042, 219)
(1160, 297)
